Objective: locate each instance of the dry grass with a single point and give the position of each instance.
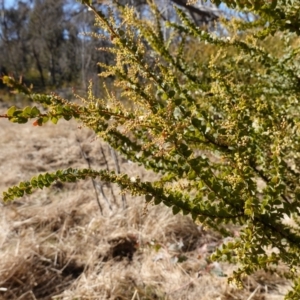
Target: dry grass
(55, 244)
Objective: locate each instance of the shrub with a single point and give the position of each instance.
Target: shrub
(221, 133)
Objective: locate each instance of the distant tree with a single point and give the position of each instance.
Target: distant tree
(42, 41)
(14, 39)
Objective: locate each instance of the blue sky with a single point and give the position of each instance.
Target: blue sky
(7, 3)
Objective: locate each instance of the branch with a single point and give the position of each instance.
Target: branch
(206, 15)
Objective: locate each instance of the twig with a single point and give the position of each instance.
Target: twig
(134, 294)
(183, 286)
(87, 159)
(104, 157)
(107, 168)
(115, 158)
(100, 187)
(253, 293)
(28, 293)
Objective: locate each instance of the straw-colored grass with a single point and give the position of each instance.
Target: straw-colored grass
(55, 244)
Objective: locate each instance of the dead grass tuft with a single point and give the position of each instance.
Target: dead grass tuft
(38, 275)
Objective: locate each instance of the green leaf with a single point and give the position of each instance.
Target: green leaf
(164, 96)
(28, 190)
(192, 175)
(211, 196)
(22, 120)
(54, 120)
(185, 150)
(20, 193)
(49, 178)
(248, 212)
(40, 185)
(121, 32)
(39, 121)
(59, 109)
(67, 117)
(35, 112)
(178, 101)
(175, 210)
(34, 181)
(11, 111)
(41, 179)
(45, 119)
(27, 112)
(66, 108)
(157, 200)
(171, 94)
(148, 198)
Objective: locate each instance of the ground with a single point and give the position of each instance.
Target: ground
(56, 243)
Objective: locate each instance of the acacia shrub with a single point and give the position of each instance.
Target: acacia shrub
(222, 134)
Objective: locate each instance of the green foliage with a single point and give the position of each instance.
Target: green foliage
(221, 133)
(72, 175)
